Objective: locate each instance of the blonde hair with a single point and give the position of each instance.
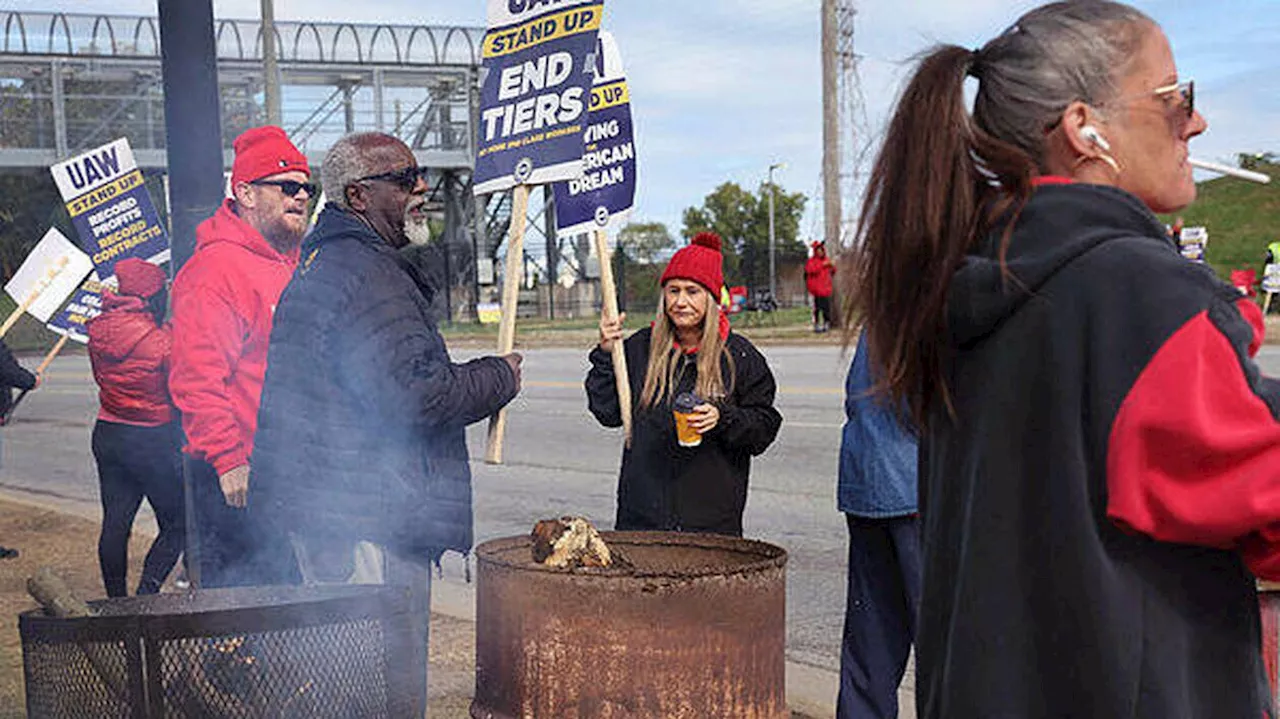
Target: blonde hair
(664, 358)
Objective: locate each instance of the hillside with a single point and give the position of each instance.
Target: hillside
(1241, 216)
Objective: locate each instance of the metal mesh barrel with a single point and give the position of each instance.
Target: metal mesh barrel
(249, 652)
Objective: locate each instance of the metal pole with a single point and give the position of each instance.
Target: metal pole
(193, 141)
(453, 221)
(773, 267)
(193, 132)
(379, 121)
(348, 106)
(478, 206)
(60, 144)
(830, 126)
(553, 251)
(270, 68)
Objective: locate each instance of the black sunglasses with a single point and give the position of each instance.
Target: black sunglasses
(405, 178)
(289, 187)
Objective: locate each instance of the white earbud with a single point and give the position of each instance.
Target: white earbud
(1089, 133)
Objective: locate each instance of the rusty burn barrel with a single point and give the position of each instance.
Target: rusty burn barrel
(698, 629)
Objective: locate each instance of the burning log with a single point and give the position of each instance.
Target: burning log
(572, 542)
(57, 599)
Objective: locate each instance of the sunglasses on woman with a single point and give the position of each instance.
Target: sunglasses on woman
(1186, 95)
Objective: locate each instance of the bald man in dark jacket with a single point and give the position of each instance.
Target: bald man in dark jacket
(361, 429)
(360, 455)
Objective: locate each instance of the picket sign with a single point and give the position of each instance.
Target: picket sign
(610, 311)
(602, 200)
(510, 299)
(47, 279)
(533, 103)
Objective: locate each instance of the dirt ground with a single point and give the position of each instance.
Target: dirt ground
(69, 544)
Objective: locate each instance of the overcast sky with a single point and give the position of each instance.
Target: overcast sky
(723, 88)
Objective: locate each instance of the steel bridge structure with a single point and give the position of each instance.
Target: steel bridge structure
(70, 82)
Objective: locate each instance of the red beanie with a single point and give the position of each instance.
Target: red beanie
(264, 151)
(139, 278)
(700, 261)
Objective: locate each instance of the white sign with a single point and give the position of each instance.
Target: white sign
(49, 275)
(484, 270)
(1271, 278)
(1195, 234)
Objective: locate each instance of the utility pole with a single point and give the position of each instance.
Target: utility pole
(830, 126)
(193, 138)
(270, 67)
(188, 60)
(773, 266)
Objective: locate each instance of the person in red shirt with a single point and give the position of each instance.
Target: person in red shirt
(817, 278)
(223, 302)
(136, 440)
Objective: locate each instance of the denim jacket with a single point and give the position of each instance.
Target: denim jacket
(877, 455)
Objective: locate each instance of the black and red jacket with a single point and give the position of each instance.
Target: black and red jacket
(1110, 477)
(130, 358)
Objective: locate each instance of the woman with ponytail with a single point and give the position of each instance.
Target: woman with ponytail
(136, 440)
(666, 484)
(1098, 451)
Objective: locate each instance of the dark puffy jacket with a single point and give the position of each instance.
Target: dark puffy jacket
(361, 428)
(11, 373)
(130, 358)
(668, 487)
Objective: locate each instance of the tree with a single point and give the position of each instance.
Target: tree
(645, 242)
(638, 263)
(742, 221)
(29, 204)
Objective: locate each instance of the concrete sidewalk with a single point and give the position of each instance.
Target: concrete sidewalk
(811, 691)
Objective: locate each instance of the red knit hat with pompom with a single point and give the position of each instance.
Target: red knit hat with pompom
(138, 278)
(700, 261)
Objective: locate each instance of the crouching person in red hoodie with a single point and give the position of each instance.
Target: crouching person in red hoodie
(137, 440)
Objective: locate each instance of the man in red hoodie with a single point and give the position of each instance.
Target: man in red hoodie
(223, 301)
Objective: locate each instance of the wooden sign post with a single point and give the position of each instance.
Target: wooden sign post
(609, 310)
(510, 301)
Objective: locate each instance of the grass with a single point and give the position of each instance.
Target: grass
(1242, 217)
(790, 325)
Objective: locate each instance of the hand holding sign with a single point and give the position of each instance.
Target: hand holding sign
(601, 200)
(532, 107)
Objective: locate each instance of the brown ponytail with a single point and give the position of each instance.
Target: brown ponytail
(935, 187)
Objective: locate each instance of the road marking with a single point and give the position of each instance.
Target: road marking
(540, 384)
(800, 389)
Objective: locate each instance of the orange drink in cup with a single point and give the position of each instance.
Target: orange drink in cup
(682, 407)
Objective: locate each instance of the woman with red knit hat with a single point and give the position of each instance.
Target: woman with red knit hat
(136, 440)
(688, 360)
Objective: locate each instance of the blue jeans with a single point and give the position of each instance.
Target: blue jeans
(880, 614)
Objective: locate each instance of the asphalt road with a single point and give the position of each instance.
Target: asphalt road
(558, 461)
